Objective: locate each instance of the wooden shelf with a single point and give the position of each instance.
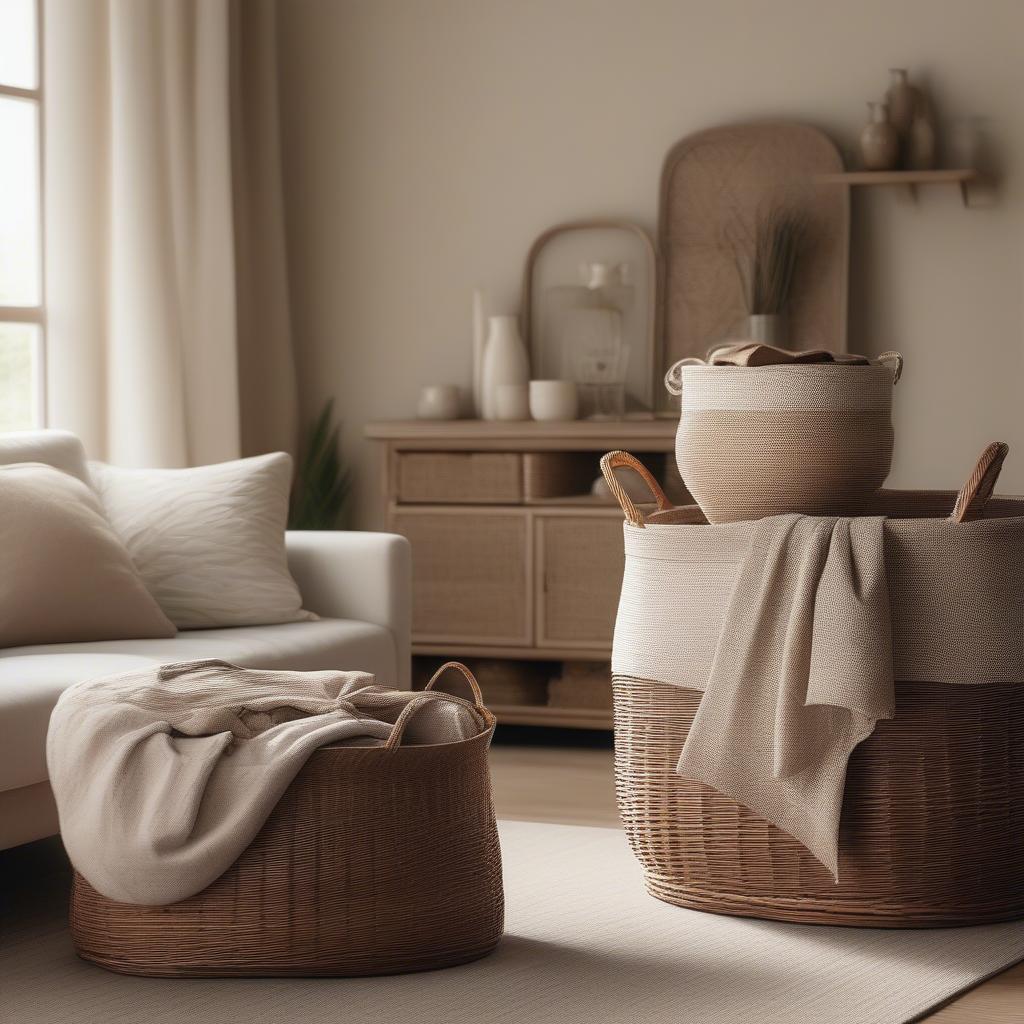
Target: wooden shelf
(460, 649)
(653, 434)
(542, 714)
(961, 177)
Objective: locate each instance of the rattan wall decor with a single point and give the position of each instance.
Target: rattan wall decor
(715, 186)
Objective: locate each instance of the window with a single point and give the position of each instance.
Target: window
(22, 315)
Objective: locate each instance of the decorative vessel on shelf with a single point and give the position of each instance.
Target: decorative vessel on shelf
(438, 402)
(879, 140)
(902, 99)
(512, 402)
(554, 400)
(919, 150)
(505, 362)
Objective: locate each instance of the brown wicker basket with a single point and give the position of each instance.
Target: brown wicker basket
(932, 830)
(377, 860)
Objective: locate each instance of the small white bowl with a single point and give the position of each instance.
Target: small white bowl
(554, 400)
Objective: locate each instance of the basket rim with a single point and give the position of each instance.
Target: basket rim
(1000, 507)
(339, 747)
(832, 372)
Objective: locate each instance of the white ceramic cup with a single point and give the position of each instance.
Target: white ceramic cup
(512, 402)
(438, 402)
(554, 400)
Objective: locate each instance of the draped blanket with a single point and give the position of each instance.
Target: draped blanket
(164, 776)
(803, 671)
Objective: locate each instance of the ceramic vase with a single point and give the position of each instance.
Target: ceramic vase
(505, 362)
(765, 329)
(438, 402)
(902, 100)
(879, 140)
(919, 148)
(479, 343)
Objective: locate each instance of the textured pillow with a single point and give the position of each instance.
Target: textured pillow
(208, 541)
(66, 577)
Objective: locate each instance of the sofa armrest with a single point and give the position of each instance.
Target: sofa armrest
(346, 574)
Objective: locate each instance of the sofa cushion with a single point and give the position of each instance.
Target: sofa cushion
(57, 448)
(208, 541)
(32, 678)
(66, 575)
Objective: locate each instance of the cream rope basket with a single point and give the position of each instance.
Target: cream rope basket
(757, 441)
(932, 829)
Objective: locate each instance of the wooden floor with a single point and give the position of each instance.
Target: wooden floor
(574, 786)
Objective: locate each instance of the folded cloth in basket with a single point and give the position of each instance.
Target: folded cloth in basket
(803, 670)
(162, 777)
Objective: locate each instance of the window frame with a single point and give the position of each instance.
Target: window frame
(35, 314)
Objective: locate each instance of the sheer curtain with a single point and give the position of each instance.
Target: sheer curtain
(168, 325)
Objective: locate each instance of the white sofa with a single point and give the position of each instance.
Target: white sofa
(358, 583)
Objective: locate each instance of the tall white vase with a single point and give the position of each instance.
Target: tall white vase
(505, 361)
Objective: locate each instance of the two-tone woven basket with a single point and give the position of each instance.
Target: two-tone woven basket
(377, 860)
(932, 829)
(757, 441)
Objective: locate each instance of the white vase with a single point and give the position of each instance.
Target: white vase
(765, 328)
(505, 362)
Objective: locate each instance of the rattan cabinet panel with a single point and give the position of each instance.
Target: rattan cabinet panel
(471, 575)
(472, 478)
(579, 575)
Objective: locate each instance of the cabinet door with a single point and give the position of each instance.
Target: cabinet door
(579, 574)
(471, 575)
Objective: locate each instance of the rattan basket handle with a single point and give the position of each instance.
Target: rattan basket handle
(420, 701)
(611, 462)
(970, 502)
(478, 696)
(897, 364)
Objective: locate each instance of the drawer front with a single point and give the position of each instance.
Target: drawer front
(579, 570)
(471, 576)
(473, 478)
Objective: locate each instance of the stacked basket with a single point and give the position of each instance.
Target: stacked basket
(932, 829)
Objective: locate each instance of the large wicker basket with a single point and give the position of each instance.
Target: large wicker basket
(377, 860)
(932, 829)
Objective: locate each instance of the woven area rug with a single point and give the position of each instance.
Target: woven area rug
(584, 945)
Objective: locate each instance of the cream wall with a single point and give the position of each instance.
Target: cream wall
(428, 141)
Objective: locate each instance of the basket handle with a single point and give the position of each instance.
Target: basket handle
(611, 462)
(970, 502)
(894, 358)
(398, 729)
(478, 697)
(674, 375)
(394, 739)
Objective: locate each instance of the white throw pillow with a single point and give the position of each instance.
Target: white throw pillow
(208, 541)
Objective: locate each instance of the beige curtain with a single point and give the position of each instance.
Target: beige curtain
(168, 327)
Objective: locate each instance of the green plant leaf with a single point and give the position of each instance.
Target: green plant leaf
(322, 480)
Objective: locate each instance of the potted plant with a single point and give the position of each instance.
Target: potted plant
(779, 240)
(322, 481)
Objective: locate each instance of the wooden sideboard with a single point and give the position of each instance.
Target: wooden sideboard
(513, 558)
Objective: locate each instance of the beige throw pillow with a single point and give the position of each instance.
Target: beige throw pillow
(208, 541)
(66, 577)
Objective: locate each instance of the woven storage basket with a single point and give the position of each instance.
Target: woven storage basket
(932, 829)
(377, 860)
(757, 441)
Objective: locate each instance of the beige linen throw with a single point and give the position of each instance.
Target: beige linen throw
(162, 777)
(803, 670)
